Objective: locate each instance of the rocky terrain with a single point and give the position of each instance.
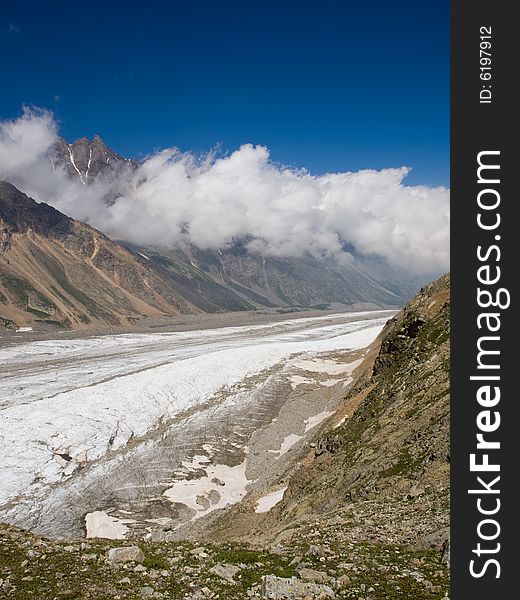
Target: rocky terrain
(359, 510)
(36, 568)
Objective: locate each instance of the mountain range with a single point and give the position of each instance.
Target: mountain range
(57, 272)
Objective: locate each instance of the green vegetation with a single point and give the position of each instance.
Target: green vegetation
(42, 569)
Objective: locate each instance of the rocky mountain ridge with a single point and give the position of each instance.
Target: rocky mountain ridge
(86, 159)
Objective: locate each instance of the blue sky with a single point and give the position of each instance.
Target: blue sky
(328, 85)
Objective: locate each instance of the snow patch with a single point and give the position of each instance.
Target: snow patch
(288, 443)
(340, 423)
(331, 382)
(311, 422)
(265, 503)
(297, 380)
(101, 525)
(74, 165)
(318, 365)
(220, 486)
(89, 162)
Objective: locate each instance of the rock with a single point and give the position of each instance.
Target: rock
(435, 540)
(213, 496)
(316, 550)
(203, 501)
(125, 554)
(146, 591)
(87, 557)
(415, 491)
(312, 575)
(225, 571)
(278, 588)
(343, 580)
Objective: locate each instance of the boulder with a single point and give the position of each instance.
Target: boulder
(125, 554)
(280, 588)
(225, 571)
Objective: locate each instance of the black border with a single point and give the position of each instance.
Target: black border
(476, 127)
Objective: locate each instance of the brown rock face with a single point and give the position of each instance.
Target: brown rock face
(55, 271)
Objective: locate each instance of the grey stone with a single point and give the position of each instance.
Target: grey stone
(313, 575)
(225, 571)
(446, 555)
(280, 588)
(125, 554)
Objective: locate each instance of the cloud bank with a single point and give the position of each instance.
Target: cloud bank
(211, 202)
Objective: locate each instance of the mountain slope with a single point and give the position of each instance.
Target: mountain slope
(381, 474)
(55, 270)
(265, 281)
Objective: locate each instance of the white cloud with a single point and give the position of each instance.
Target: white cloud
(284, 212)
